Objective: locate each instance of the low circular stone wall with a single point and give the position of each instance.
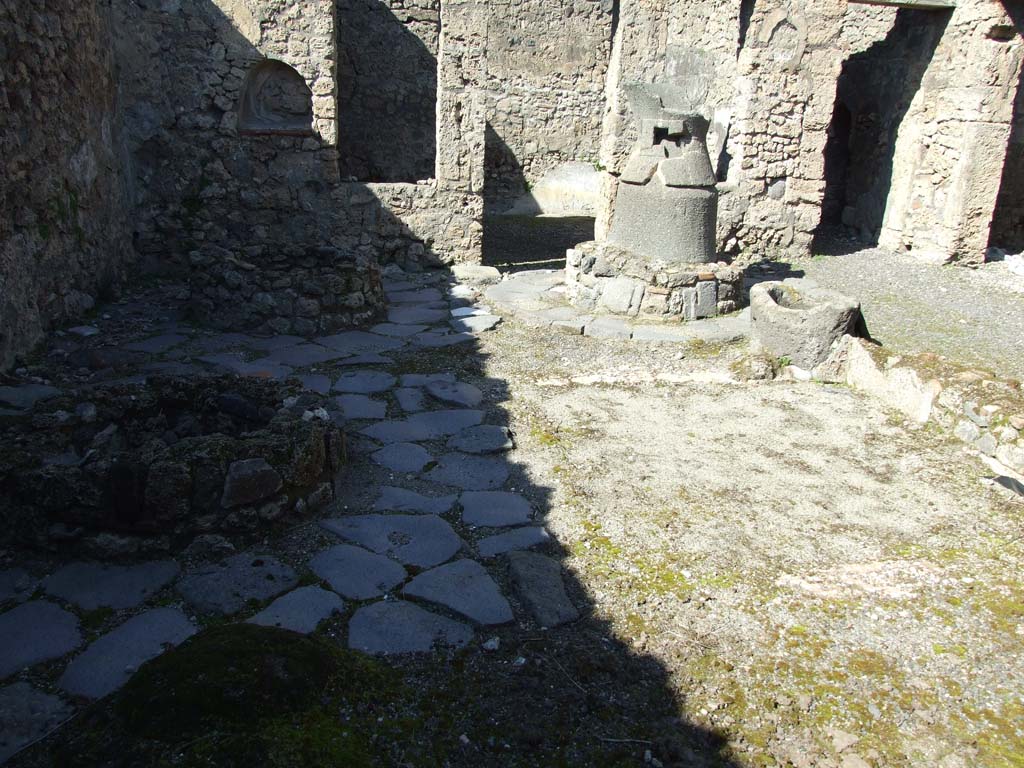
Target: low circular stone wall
(601, 276)
(129, 467)
(306, 292)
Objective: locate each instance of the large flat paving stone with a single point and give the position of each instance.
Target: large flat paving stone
(394, 499)
(432, 340)
(402, 457)
(370, 358)
(420, 540)
(302, 355)
(397, 431)
(271, 343)
(475, 323)
(415, 315)
(510, 541)
(364, 382)
(157, 345)
(34, 632)
(226, 587)
(421, 296)
(429, 425)
(300, 610)
(394, 627)
(485, 438)
(538, 582)
(24, 396)
(470, 473)
(359, 342)
(608, 328)
(97, 585)
(361, 407)
(410, 399)
(315, 382)
(233, 362)
(26, 715)
(111, 660)
(357, 573)
(494, 509)
(448, 422)
(398, 331)
(18, 584)
(456, 393)
(423, 379)
(466, 588)
(471, 311)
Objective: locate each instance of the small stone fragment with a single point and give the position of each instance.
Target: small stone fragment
(475, 323)
(410, 399)
(17, 583)
(423, 379)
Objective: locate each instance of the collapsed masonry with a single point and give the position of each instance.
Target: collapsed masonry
(236, 139)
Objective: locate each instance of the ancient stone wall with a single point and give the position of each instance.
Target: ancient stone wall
(546, 66)
(767, 73)
(1008, 218)
(387, 88)
(952, 144)
(63, 212)
(205, 179)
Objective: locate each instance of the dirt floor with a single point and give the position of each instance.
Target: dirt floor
(818, 581)
(770, 574)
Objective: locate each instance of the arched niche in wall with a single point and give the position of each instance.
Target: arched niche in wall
(275, 99)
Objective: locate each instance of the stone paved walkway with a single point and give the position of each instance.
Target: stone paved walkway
(420, 568)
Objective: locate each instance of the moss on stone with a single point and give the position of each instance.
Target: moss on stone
(240, 695)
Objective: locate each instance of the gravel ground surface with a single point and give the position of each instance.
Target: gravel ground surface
(973, 316)
(767, 574)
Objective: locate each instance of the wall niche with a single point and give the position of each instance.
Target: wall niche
(275, 99)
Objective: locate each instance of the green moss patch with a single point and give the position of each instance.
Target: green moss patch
(239, 695)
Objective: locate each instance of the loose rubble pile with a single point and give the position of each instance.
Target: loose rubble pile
(132, 466)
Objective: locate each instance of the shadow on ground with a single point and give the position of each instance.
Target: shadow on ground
(516, 694)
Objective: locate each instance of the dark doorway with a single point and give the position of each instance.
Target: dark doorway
(1007, 230)
(873, 94)
(387, 89)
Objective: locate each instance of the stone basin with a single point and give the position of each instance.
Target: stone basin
(795, 320)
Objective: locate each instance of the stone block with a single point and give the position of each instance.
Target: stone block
(799, 322)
